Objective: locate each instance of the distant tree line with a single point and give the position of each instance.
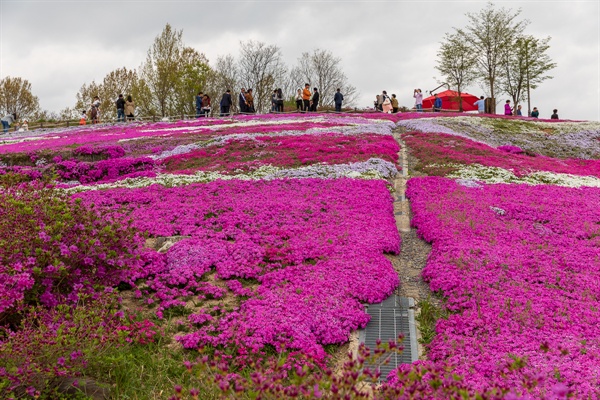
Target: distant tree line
(166, 83)
(494, 50)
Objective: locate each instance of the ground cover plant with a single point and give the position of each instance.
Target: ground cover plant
(515, 254)
(255, 265)
(230, 257)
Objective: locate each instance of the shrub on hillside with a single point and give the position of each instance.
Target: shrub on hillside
(53, 248)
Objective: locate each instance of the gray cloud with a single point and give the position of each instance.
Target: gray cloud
(391, 45)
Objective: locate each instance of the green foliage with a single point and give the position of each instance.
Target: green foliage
(429, 313)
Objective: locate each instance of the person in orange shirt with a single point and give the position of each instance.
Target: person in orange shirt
(306, 97)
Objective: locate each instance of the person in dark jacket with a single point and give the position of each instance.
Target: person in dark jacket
(120, 103)
(535, 113)
(554, 114)
(242, 101)
(199, 105)
(337, 99)
(225, 103)
(437, 104)
(314, 102)
(279, 100)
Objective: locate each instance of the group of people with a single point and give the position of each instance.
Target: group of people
(508, 110)
(125, 109)
(385, 103)
(306, 100)
(309, 101)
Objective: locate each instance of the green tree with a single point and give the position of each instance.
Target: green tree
(119, 81)
(192, 74)
(173, 73)
(490, 33)
(525, 66)
(457, 63)
(16, 97)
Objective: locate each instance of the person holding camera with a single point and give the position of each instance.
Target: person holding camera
(418, 95)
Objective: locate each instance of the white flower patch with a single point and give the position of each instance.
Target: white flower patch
(374, 168)
(495, 175)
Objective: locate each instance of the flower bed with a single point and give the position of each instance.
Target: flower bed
(519, 267)
(286, 151)
(440, 154)
(239, 145)
(560, 139)
(314, 248)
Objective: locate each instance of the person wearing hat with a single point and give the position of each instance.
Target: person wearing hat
(8, 120)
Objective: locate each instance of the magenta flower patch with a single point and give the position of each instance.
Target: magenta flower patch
(519, 266)
(313, 248)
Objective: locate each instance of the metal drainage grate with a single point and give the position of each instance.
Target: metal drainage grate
(388, 319)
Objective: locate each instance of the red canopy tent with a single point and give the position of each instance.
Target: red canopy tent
(450, 101)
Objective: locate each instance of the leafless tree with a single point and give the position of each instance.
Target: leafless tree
(222, 77)
(261, 68)
(321, 69)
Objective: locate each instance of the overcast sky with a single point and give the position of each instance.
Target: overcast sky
(384, 45)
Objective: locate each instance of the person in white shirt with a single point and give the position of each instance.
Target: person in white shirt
(418, 95)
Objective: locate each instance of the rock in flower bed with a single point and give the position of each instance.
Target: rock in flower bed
(519, 266)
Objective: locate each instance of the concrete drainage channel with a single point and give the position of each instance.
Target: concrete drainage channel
(395, 315)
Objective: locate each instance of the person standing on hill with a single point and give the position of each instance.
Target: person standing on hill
(535, 113)
(120, 103)
(554, 114)
(129, 109)
(83, 119)
(299, 106)
(480, 104)
(519, 112)
(205, 105)
(95, 114)
(225, 103)
(250, 102)
(507, 108)
(306, 97)
(338, 98)
(418, 95)
(386, 103)
(242, 101)
(314, 101)
(8, 120)
(199, 104)
(279, 100)
(394, 104)
(274, 101)
(437, 104)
